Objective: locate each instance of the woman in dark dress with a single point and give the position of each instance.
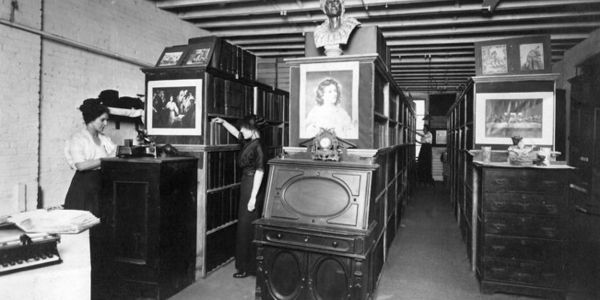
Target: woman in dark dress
(424, 160)
(251, 162)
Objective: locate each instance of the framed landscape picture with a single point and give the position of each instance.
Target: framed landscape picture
(499, 116)
(174, 107)
(329, 99)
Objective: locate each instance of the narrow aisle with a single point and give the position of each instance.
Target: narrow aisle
(428, 259)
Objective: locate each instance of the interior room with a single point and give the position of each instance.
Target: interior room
(300, 149)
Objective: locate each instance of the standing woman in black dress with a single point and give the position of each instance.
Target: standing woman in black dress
(251, 161)
(424, 160)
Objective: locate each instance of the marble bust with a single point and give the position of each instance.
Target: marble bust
(336, 29)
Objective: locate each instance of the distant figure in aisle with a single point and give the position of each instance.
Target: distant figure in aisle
(328, 114)
(252, 163)
(424, 160)
(336, 29)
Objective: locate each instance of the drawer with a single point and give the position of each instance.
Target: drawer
(523, 203)
(522, 248)
(523, 225)
(523, 180)
(316, 241)
(523, 272)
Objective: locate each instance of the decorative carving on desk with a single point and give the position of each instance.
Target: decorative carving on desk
(336, 29)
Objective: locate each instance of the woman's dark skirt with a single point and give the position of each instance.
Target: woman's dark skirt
(424, 165)
(84, 192)
(245, 250)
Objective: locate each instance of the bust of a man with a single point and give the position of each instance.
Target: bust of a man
(336, 29)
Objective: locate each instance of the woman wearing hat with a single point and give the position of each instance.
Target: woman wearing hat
(252, 162)
(83, 152)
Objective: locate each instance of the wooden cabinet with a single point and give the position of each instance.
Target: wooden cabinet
(584, 153)
(148, 217)
(521, 228)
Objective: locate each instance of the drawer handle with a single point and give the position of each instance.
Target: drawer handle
(498, 247)
(550, 231)
(578, 188)
(524, 205)
(499, 203)
(279, 236)
(501, 181)
(334, 244)
(306, 239)
(499, 226)
(494, 269)
(585, 211)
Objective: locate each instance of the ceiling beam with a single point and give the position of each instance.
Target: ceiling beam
(268, 9)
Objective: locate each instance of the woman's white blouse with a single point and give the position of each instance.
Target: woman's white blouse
(81, 147)
(427, 138)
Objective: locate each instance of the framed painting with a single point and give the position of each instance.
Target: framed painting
(329, 99)
(499, 116)
(171, 56)
(174, 107)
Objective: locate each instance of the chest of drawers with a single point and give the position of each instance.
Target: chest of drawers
(521, 229)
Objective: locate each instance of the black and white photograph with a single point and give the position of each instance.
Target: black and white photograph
(531, 56)
(175, 107)
(198, 57)
(300, 149)
(494, 59)
(503, 115)
(329, 99)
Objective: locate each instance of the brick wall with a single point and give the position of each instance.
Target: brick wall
(129, 28)
(19, 109)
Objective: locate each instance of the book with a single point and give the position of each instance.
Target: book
(62, 221)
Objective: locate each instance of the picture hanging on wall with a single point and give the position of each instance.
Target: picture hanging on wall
(494, 59)
(200, 56)
(499, 116)
(174, 107)
(329, 99)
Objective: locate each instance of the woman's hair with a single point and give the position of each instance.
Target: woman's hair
(321, 87)
(426, 127)
(91, 109)
(251, 122)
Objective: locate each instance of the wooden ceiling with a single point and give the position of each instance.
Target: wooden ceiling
(431, 41)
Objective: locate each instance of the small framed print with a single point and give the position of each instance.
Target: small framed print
(494, 59)
(198, 56)
(531, 57)
(171, 56)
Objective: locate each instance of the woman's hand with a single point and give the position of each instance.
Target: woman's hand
(218, 120)
(251, 204)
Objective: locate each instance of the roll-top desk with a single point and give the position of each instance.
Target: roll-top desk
(321, 232)
(520, 215)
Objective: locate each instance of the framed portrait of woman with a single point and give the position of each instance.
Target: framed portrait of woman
(329, 99)
(174, 107)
